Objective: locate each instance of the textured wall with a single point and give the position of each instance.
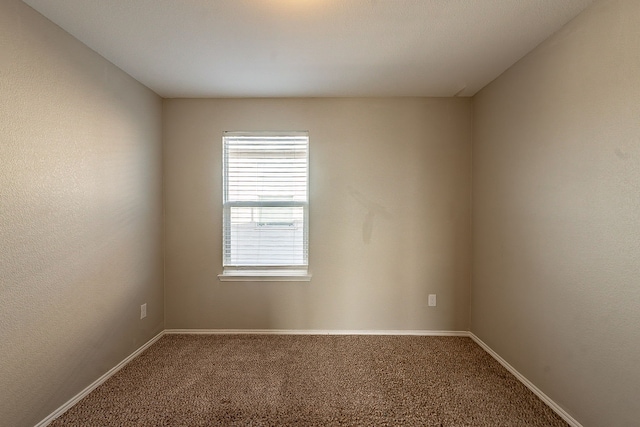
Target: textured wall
(405, 160)
(80, 215)
(556, 254)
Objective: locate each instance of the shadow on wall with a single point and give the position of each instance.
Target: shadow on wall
(373, 209)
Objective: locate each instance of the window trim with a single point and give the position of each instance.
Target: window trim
(264, 276)
(284, 273)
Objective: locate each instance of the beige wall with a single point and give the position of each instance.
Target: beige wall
(556, 253)
(407, 159)
(80, 215)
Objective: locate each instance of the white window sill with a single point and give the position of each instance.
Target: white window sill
(264, 276)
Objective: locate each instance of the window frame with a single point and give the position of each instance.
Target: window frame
(274, 272)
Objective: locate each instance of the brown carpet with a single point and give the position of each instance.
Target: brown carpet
(318, 380)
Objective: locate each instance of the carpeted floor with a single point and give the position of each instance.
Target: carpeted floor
(317, 380)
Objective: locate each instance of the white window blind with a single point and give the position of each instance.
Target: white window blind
(266, 201)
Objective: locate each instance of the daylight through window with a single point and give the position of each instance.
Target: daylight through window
(266, 202)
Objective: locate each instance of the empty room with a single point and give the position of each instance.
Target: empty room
(319, 212)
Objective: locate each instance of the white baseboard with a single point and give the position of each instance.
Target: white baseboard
(546, 399)
(316, 332)
(64, 408)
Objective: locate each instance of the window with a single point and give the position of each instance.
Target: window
(265, 206)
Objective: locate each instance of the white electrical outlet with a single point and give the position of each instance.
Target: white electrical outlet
(432, 300)
(143, 311)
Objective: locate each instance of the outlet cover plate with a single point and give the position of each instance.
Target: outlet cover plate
(432, 300)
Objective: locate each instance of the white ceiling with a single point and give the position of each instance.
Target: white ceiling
(277, 48)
